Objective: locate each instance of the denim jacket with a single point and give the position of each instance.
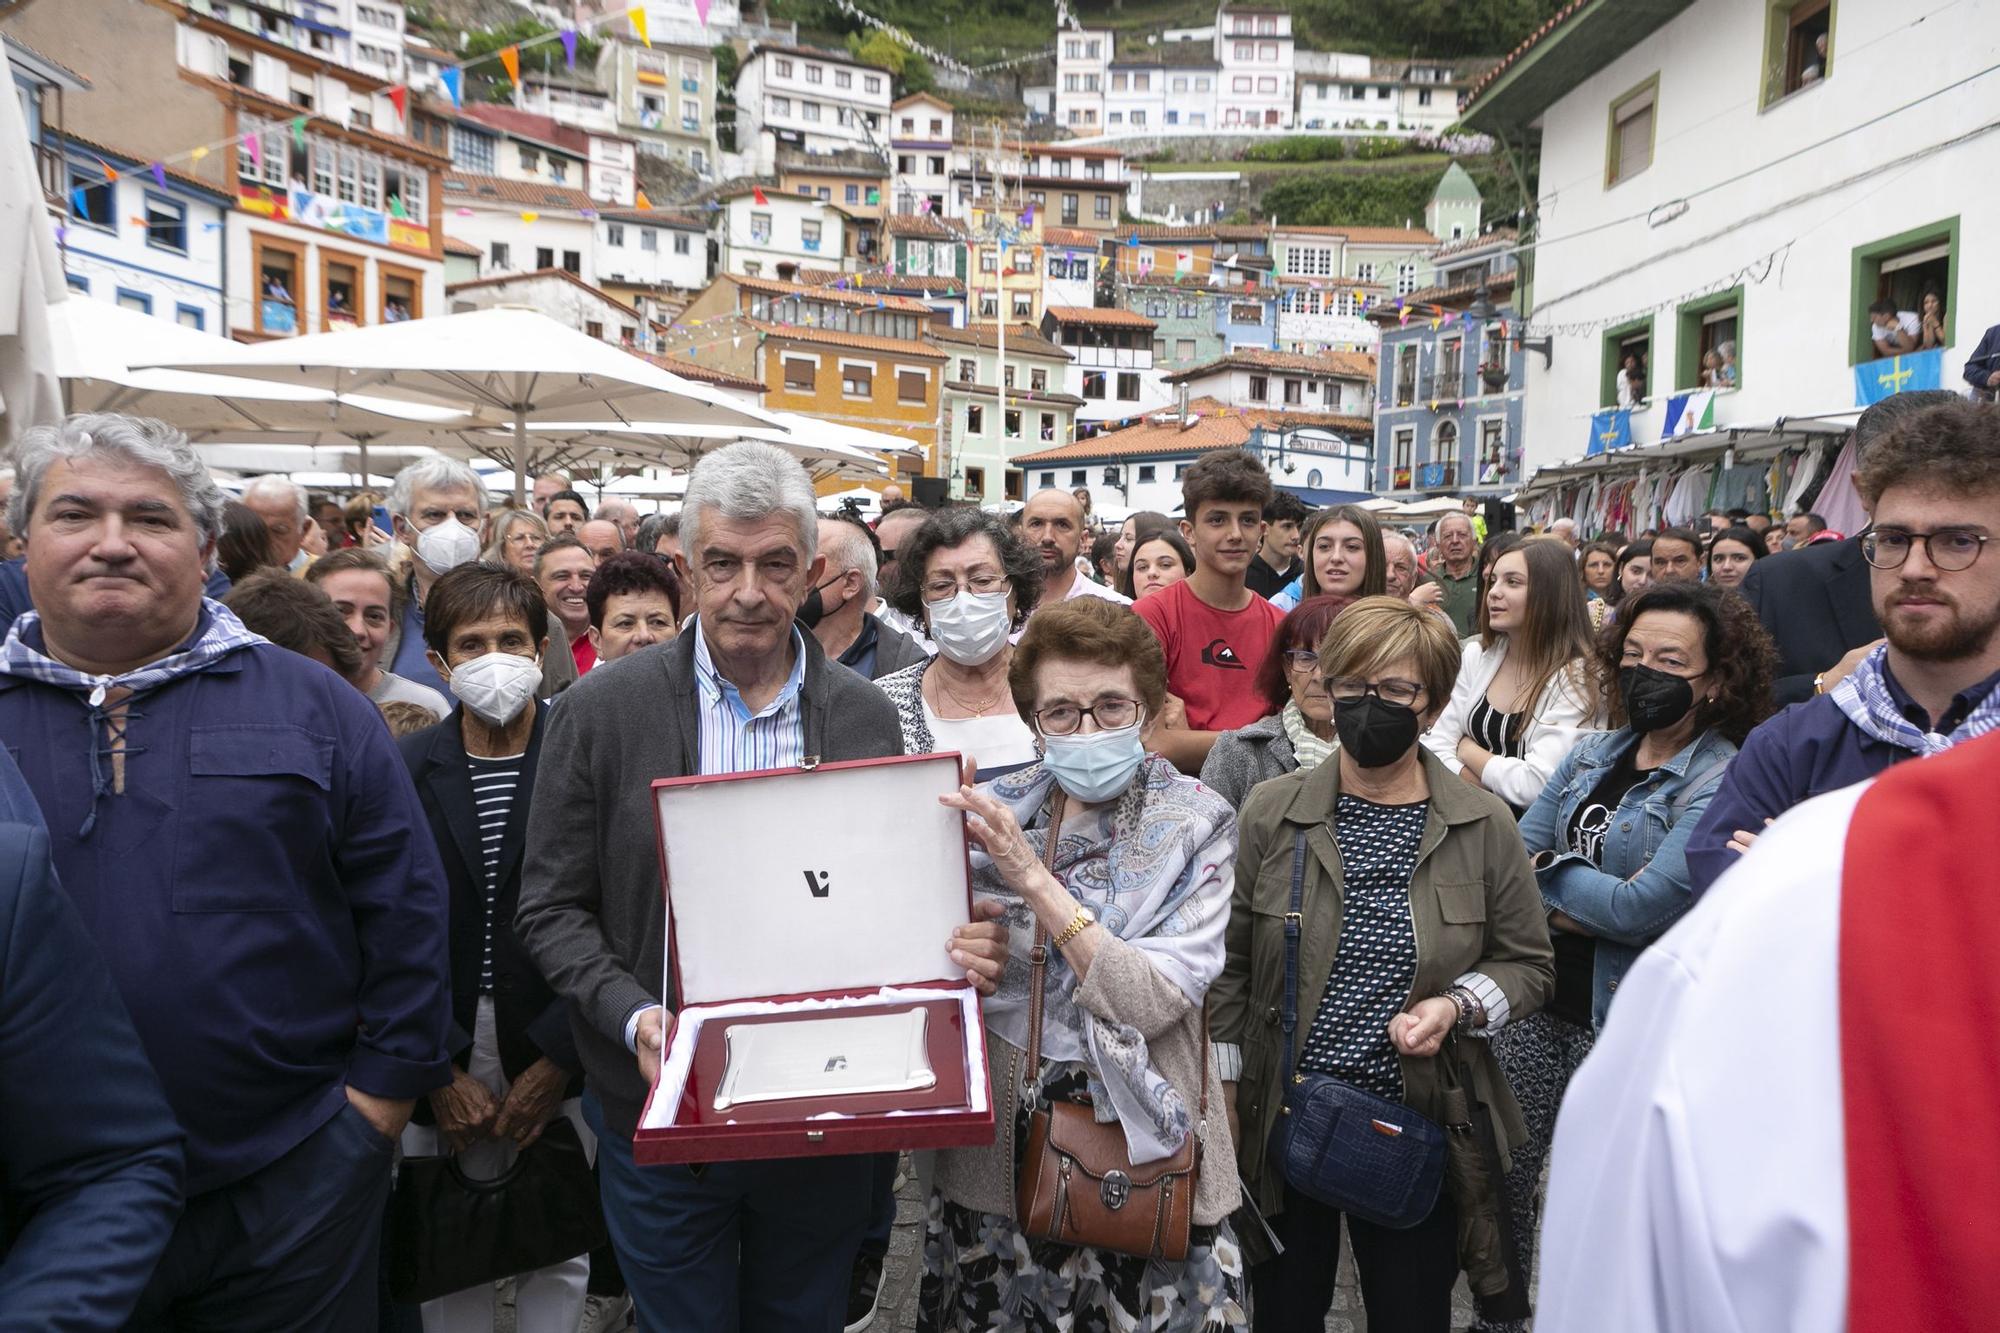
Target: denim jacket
(1643, 887)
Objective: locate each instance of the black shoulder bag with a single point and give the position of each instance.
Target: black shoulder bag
(1349, 1149)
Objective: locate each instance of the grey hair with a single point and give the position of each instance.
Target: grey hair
(505, 523)
(279, 488)
(848, 546)
(434, 474)
(1462, 517)
(653, 527)
(748, 481)
(139, 441)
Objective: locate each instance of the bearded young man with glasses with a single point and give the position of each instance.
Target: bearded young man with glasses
(1933, 487)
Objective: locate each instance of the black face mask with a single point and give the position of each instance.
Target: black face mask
(1375, 733)
(814, 608)
(1654, 699)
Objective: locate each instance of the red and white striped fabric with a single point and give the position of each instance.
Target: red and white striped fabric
(1791, 1123)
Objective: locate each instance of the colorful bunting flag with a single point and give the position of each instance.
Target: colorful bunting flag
(400, 99)
(299, 133)
(757, 197)
(396, 209)
(923, 205)
(637, 15)
(252, 142)
(79, 205)
(510, 60)
(701, 11)
(198, 154)
(569, 47)
(641, 199)
(530, 216)
(452, 80)
(159, 175)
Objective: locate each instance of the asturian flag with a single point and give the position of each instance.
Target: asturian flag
(1610, 429)
(1876, 380)
(1718, 1167)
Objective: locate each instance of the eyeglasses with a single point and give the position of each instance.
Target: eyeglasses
(1347, 689)
(1064, 719)
(1950, 549)
(982, 585)
(1301, 660)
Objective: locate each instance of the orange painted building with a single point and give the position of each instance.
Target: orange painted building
(859, 358)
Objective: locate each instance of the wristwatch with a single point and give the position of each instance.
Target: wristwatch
(1082, 921)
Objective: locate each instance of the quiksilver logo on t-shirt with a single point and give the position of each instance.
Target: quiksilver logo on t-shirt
(1220, 654)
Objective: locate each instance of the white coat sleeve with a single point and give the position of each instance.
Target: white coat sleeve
(1473, 677)
(1563, 717)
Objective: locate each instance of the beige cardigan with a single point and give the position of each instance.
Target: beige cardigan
(1121, 987)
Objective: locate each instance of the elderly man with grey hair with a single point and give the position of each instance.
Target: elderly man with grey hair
(837, 609)
(244, 842)
(282, 504)
(737, 1245)
(626, 515)
(435, 505)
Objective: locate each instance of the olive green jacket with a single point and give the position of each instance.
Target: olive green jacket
(1474, 906)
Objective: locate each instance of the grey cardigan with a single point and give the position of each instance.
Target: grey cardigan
(1247, 756)
(591, 913)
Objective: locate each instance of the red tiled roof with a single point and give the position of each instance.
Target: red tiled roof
(562, 274)
(1367, 235)
(864, 342)
(694, 370)
(880, 282)
(655, 217)
(1023, 338)
(528, 125)
(924, 225)
(454, 246)
(1060, 149)
(1073, 236)
(1560, 17)
(828, 292)
(1343, 365)
(1102, 316)
(461, 187)
(914, 98)
(1167, 231)
(1211, 426)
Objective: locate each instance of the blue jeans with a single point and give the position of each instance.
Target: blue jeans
(760, 1247)
(292, 1245)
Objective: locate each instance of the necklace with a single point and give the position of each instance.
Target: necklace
(977, 710)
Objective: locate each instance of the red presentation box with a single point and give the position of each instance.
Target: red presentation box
(829, 890)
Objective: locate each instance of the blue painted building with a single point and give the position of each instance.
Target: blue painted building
(1449, 379)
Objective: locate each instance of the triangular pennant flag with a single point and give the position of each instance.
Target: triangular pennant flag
(452, 80)
(252, 142)
(637, 14)
(400, 99)
(569, 47)
(757, 197)
(641, 199)
(530, 216)
(159, 175)
(79, 205)
(198, 154)
(299, 132)
(923, 205)
(510, 60)
(396, 209)
(701, 11)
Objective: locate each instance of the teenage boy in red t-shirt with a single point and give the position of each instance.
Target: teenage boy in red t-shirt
(1215, 631)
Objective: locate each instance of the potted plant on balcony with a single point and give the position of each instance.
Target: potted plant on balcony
(1493, 374)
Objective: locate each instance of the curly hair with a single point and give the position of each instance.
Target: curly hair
(1741, 656)
(948, 528)
(631, 572)
(1953, 447)
(1224, 476)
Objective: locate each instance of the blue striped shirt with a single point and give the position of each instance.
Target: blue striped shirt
(733, 740)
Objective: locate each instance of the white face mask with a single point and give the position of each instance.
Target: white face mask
(969, 628)
(496, 686)
(447, 545)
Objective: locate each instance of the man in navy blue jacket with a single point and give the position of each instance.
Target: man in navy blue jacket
(1932, 484)
(242, 840)
(90, 1167)
(1982, 368)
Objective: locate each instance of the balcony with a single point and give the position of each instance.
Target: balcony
(1437, 476)
(1442, 388)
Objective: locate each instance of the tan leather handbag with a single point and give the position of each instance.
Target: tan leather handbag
(1075, 1182)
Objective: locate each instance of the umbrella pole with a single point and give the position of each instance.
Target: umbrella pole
(361, 444)
(520, 459)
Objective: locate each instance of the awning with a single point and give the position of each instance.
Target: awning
(1750, 440)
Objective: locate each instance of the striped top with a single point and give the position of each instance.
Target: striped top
(494, 782)
(732, 739)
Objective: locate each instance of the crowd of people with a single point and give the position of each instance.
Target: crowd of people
(327, 849)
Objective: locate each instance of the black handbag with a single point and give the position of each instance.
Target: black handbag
(448, 1232)
(1370, 1157)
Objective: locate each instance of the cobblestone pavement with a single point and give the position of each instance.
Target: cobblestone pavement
(898, 1312)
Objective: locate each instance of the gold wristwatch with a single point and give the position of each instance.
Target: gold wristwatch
(1082, 921)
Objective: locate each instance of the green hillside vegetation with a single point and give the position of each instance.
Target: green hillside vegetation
(1381, 194)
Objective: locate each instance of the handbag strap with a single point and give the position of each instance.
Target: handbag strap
(1038, 956)
(1288, 1016)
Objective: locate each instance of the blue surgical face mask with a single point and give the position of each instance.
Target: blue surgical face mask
(1097, 766)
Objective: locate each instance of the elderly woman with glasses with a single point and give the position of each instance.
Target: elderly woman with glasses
(970, 581)
(1299, 732)
(1413, 915)
(1132, 905)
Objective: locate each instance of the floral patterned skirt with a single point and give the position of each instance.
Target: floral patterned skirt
(981, 1274)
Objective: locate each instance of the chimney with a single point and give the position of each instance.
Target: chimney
(1181, 398)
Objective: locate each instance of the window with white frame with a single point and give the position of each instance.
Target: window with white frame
(783, 69)
(871, 83)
